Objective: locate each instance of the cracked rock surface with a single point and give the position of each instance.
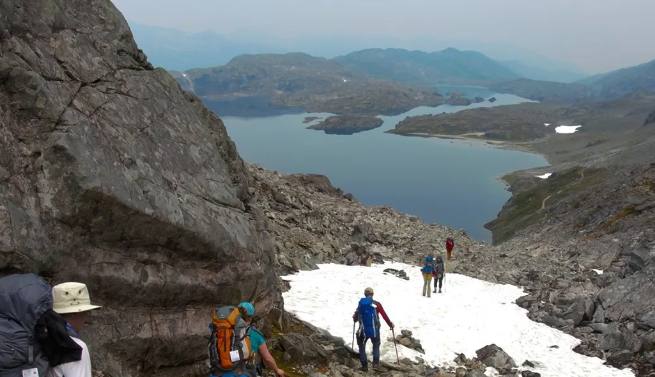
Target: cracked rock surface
(111, 175)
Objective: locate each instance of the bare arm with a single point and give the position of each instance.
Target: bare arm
(269, 361)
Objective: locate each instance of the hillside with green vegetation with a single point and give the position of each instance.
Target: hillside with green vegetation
(449, 66)
(527, 207)
(300, 80)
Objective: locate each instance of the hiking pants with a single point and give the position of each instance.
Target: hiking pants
(438, 279)
(361, 343)
(449, 253)
(427, 279)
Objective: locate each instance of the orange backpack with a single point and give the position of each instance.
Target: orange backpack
(229, 346)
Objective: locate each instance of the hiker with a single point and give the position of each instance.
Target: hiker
(438, 272)
(71, 300)
(234, 343)
(450, 244)
(368, 315)
(428, 267)
(26, 312)
(257, 340)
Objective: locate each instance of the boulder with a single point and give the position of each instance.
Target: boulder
(619, 336)
(494, 356)
(636, 292)
(111, 175)
(582, 308)
(640, 258)
(619, 358)
(303, 350)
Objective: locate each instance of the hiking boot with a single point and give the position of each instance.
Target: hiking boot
(364, 368)
(440, 291)
(435, 291)
(376, 367)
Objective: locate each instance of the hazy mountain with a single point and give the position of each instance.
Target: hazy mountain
(623, 81)
(174, 49)
(449, 66)
(540, 73)
(298, 80)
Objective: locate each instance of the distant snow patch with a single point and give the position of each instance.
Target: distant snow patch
(546, 124)
(599, 272)
(544, 176)
(566, 129)
(184, 74)
(344, 80)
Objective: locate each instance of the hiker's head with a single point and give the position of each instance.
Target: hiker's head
(247, 311)
(368, 292)
(71, 300)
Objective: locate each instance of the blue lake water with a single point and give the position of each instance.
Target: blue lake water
(452, 182)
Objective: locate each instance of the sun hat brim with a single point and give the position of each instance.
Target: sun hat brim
(76, 309)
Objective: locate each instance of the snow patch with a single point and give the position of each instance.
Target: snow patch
(344, 80)
(544, 176)
(469, 315)
(566, 129)
(546, 124)
(599, 272)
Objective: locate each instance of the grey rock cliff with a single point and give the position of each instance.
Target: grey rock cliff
(111, 175)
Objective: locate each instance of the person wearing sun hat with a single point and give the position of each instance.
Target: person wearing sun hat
(71, 300)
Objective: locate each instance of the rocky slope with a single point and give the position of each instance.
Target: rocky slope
(313, 222)
(347, 124)
(298, 80)
(111, 175)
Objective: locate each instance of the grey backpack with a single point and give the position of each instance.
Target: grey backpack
(24, 298)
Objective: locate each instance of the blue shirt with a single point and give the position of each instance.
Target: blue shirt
(256, 339)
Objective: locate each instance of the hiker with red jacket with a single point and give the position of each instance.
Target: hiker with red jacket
(368, 315)
(450, 244)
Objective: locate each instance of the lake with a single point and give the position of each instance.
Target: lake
(452, 182)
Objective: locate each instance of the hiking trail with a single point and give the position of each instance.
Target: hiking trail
(543, 203)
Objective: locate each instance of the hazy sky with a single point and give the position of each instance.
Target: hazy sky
(597, 35)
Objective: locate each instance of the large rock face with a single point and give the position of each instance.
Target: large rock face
(111, 175)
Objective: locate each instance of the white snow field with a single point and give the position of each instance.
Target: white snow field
(469, 315)
(544, 176)
(566, 129)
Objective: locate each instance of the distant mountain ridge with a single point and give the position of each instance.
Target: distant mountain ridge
(623, 81)
(174, 49)
(298, 80)
(449, 66)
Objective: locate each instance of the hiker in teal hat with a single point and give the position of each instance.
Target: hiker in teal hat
(257, 340)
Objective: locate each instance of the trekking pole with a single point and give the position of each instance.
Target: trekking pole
(395, 346)
(352, 345)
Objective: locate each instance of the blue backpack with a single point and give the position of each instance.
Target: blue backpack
(428, 265)
(368, 318)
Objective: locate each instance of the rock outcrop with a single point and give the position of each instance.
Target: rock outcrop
(111, 175)
(347, 124)
(650, 119)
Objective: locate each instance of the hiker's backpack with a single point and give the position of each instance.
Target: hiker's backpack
(428, 265)
(229, 346)
(439, 268)
(24, 298)
(450, 243)
(368, 318)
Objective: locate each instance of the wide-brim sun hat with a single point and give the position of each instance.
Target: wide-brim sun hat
(71, 297)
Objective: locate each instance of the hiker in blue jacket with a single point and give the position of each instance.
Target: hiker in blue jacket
(368, 315)
(428, 267)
